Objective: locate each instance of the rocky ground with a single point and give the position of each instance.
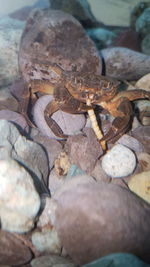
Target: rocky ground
(66, 201)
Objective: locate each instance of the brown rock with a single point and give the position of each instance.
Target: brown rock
(12, 250)
(55, 37)
(95, 219)
(84, 151)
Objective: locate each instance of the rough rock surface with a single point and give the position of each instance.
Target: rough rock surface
(46, 37)
(84, 151)
(19, 200)
(125, 64)
(94, 219)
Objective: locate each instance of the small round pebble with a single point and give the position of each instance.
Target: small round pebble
(120, 161)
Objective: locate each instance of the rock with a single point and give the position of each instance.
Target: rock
(47, 241)
(69, 123)
(51, 146)
(51, 36)
(145, 45)
(140, 185)
(144, 161)
(19, 201)
(98, 173)
(55, 182)
(131, 142)
(26, 152)
(52, 260)
(125, 64)
(74, 171)
(142, 24)
(137, 10)
(119, 161)
(47, 217)
(16, 118)
(80, 9)
(9, 247)
(143, 107)
(10, 34)
(102, 37)
(62, 164)
(128, 38)
(144, 82)
(118, 259)
(142, 133)
(84, 151)
(7, 101)
(97, 232)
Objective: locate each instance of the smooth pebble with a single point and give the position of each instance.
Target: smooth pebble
(120, 161)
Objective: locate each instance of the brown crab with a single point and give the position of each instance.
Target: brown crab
(77, 93)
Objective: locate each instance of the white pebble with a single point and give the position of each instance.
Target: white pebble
(19, 201)
(120, 161)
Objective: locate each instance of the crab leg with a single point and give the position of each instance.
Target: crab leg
(50, 109)
(122, 122)
(95, 125)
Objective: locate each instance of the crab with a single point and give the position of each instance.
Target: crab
(79, 92)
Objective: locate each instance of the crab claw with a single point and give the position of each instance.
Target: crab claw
(121, 123)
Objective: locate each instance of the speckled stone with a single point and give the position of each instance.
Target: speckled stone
(120, 161)
(19, 200)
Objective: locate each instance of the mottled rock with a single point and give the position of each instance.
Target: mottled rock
(51, 261)
(80, 9)
(87, 226)
(125, 64)
(131, 143)
(19, 201)
(12, 250)
(10, 34)
(52, 147)
(53, 36)
(142, 133)
(69, 123)
(29, 154)
(142, 24)
(47, 241)
(119, 161)
(84, 151)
